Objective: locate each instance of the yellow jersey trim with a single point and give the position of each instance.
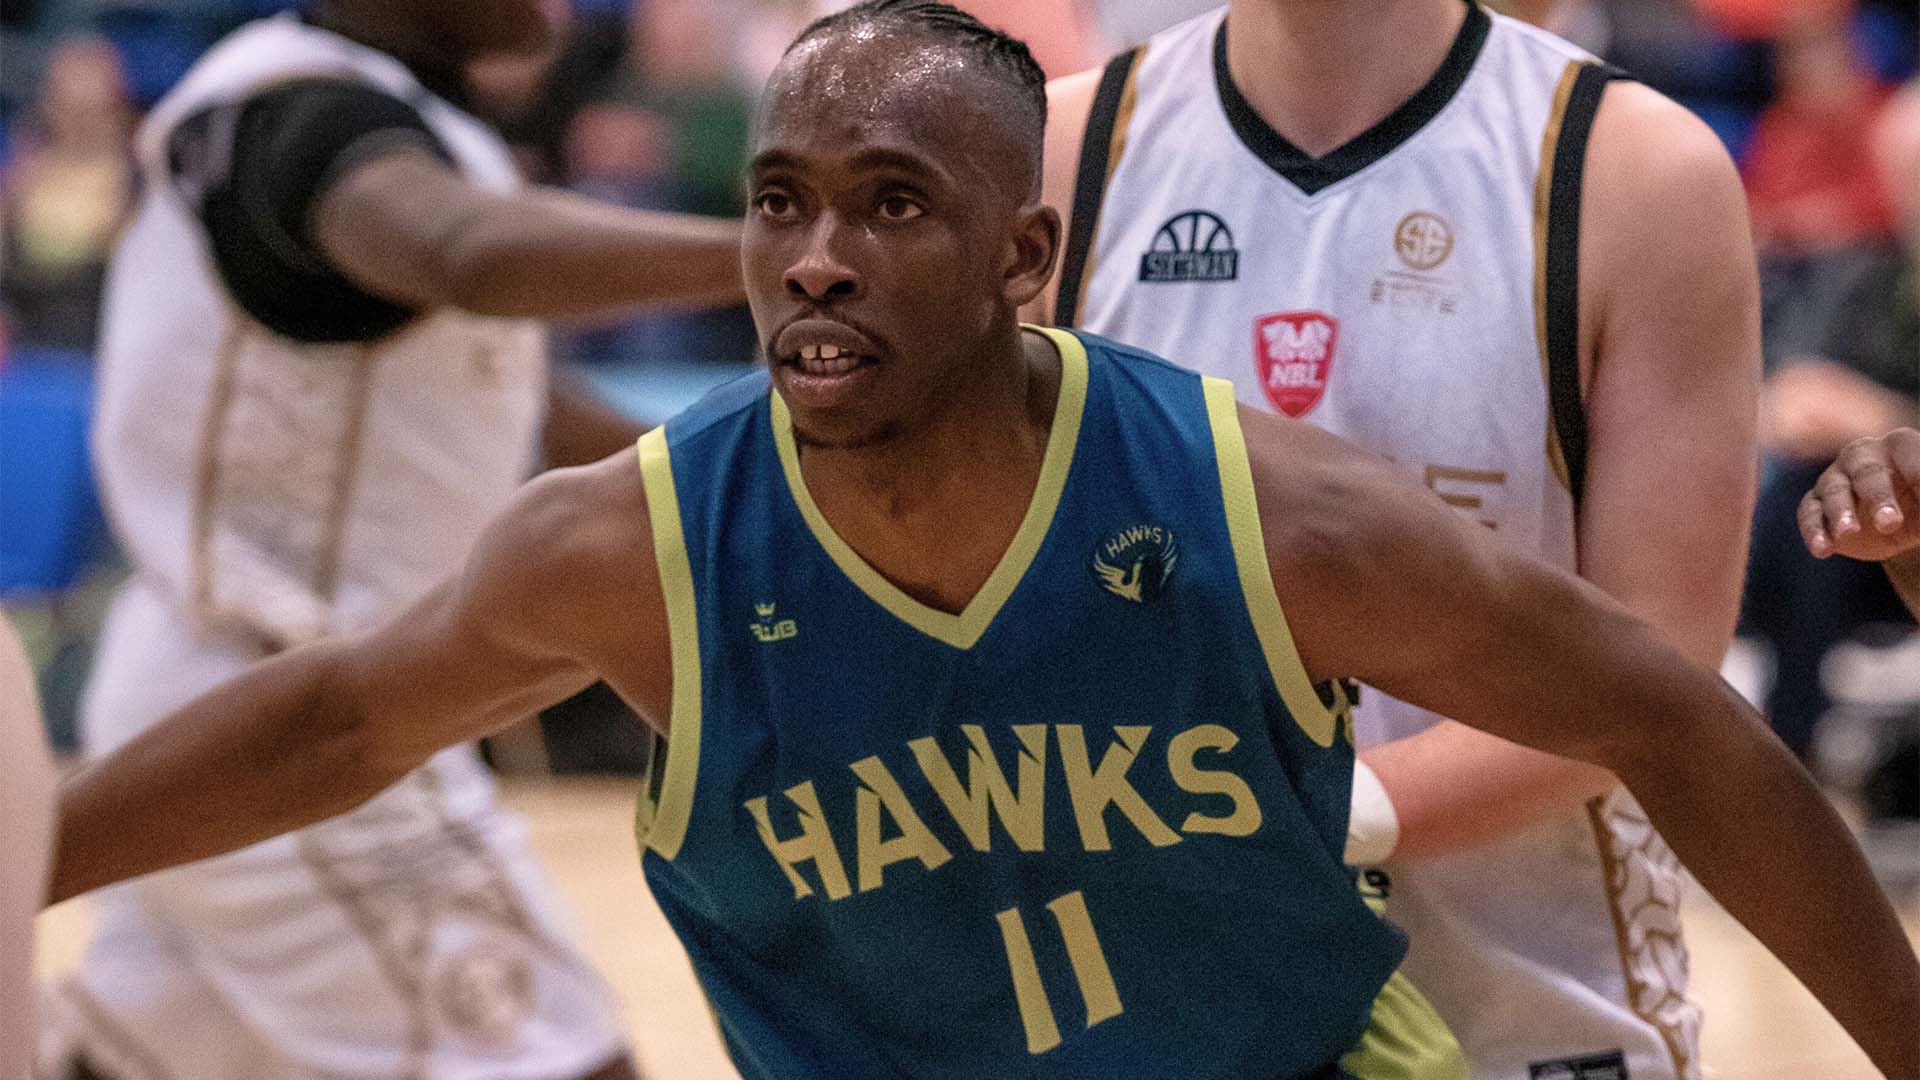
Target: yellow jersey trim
(1405, 1039)
(963, 630)
(662, 827)
(1256, 575)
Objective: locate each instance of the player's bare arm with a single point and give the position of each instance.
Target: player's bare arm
(407, 227)
(582, 427)
(563, 584)
(1866, 505)
(1389, 586)
(1670, 348)
(1069, 99)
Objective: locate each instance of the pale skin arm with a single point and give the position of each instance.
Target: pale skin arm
(1389, 586)
(561, 588)
(26, 821)
(1671, 333)
(1069, 99)
(1866, 505)
(406, 227)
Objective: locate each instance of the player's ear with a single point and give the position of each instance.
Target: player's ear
(1032, 247)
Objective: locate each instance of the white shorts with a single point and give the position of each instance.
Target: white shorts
(414, 938)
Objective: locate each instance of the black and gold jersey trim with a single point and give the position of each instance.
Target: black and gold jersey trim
(1312, 174)
(1557, 284)
(1100, 149)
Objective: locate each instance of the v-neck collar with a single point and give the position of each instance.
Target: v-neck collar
(964, 629)
(1312, 174)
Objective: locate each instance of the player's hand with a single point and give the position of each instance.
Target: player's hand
(1867, 504)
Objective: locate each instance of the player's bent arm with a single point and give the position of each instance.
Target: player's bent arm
(1069, 100)
(405, 226)
(1672, 331)
(559, 584)
(1385, 584)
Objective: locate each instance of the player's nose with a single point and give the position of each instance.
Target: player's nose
(819, 273)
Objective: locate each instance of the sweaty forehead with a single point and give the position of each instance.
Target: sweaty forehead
(869, 84)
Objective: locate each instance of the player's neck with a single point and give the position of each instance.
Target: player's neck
(1321, 72)
(934, 508)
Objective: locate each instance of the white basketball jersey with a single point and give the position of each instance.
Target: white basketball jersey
(282, 489)
(1416, 292)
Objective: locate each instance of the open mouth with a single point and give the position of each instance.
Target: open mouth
(823, 351)
(824, 360)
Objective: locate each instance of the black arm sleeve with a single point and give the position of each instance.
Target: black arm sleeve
(253, 171)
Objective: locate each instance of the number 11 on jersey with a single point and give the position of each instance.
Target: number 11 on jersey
(1089, 970)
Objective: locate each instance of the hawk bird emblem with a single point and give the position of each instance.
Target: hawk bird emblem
(1135, 563)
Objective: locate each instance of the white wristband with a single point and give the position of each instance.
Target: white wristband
(1373, 829)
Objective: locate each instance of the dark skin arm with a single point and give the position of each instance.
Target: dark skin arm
(406, 227)
(561, 588)
(1385, 584)
(582, 427)
(1389, 586)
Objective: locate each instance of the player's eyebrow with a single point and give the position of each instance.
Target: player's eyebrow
(871, 159)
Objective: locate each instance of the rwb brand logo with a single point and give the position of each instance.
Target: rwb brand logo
(1294, 350)
(1194, 246)
(767, 630)
(1136, 562)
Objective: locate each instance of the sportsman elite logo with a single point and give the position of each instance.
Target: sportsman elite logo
(1135, 563)
(1191, 246)
(1293, 352)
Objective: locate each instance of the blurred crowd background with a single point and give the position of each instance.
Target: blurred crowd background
(646, 102)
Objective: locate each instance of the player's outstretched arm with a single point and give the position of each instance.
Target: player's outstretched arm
(1669, 336)
(1384, 583)
(1866, 505)
(559, 588)
(407, 227)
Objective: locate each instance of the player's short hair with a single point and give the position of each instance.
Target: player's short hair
(1001, 55)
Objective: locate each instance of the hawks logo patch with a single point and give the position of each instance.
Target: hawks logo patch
(1136, 562)
(1294, 353)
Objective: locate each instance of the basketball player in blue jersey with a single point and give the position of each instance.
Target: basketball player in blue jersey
(1449, 236)
(1866, 505)
(1000, 668)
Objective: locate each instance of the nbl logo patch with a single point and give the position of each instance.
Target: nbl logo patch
(1293, 351)
(1194, 246)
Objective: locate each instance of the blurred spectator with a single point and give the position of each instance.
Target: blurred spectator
(1810, 175)
(64, 199)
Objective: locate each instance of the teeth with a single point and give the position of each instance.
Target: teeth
(823, 365)
(809, 352)
(829, 352)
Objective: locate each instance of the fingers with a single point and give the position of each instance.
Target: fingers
(1870, 476)
(1813, 526)
(1863, 489)
(1827, 515)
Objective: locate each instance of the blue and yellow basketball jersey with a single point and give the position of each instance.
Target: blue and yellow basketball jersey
(1090, 826)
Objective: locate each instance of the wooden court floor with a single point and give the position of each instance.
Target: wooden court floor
(1760, 1024)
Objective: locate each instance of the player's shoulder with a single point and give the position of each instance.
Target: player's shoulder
(571, 538)
(1149, 372)
(1646, 148)
(722, 407)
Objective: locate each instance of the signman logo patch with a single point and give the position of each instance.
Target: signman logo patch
(1194, 246)
(1136, 562)
(1294, 350)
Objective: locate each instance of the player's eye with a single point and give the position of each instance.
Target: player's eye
(774, 203)
(900, 208)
